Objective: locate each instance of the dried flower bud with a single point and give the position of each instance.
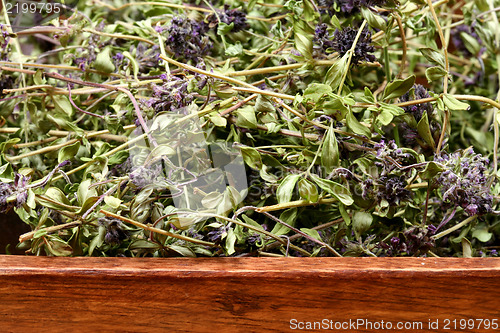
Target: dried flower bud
(323, 39)
(187, 40)
(228, 16)
(393, 189)
(343, 40)
(417, 110)
(6, 82)
(414, 241)
(114, 232)
(6, 190)
(346, 7)
(171, 96)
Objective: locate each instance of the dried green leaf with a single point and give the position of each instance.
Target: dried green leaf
(398, 87)
(285, 189)
(68, 152)
(330, 151)
(246, 117)
(308, 190)
(289, 216)
(355, 126)
(424, 131)
(103, 62)
(435, 73)
(433, 56)
(454, 104)
(251, 157)
(361, 222)
(335, 189)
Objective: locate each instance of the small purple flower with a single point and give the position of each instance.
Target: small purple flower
(367, 188)
(471, 209)
(146, 56)
(5, 36)
(389, 153)
(82, 63)
(254, 239)
(464, 182)
(395, 241)
(494, 253)
(119, 56)
(194, 234)
(172, 95)
(142, 176)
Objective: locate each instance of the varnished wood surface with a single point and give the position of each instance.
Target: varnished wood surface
(242, 294)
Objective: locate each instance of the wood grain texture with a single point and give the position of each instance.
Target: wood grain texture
(241, 294)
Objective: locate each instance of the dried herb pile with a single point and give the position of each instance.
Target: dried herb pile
(245, 128)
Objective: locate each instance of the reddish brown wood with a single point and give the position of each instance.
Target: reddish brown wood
(241, 294)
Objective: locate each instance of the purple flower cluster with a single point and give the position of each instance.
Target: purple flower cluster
(414, 241)
(254, 239)
(393, 190)
(343, 40)
(118, 59)
(5, 37)
(114, 232)
(409, 133)
(464, 182)
(216, 235)
(228, 16)
(417, 92)
(89, 52)
(388, 186)
(14, 193)
(346, 7)
(389, 153)
(171, 96)
(146, 56)
(322, 38)
(142, 176)
(187, 40)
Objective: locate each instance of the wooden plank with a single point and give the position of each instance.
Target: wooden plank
(245, 294)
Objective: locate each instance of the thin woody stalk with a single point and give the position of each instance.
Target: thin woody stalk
(156, 230)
